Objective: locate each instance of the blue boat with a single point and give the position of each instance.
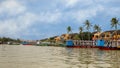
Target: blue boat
(101, 44)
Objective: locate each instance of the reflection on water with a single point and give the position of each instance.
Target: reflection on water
(56, 57)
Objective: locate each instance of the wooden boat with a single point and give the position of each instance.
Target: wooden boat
(83, 46)
(26, 43)
(99, 44)
(118, 47)
(108, 48)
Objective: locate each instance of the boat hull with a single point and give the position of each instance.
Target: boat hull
(100, 44)
(99, 47)
(82, 46)
(108, 48)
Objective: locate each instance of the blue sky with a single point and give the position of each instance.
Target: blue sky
(38, 19)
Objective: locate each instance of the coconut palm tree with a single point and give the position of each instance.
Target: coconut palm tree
(114, 24)
(97, 28)
(69, 29)
(88, 26)
(81, 30)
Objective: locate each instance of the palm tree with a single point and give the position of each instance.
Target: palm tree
(115, 23)
(97, 28)
(88, 26)
(81, 30)
(69, 29)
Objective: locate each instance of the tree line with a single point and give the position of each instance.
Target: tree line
(4, 40)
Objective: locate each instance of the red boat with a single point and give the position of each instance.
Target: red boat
(76, 46)
(91, 44)
(108, 48)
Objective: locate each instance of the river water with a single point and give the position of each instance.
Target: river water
(20, 56)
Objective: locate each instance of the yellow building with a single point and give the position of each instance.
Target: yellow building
(65, 36)
(96, 36)
(111, 35)
(62, 37)
(107, 35)
(57, 39)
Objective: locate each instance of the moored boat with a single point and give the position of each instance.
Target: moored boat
(101, 44)
(108, 48)
(80, 44)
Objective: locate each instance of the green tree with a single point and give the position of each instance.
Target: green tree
(85, 35)
(76, 37)
(88, 26)
(97, 28)
(69, 29)
(81, 32)
(18, 40)
(115, 23)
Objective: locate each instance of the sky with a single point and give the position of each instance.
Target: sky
(39, 19)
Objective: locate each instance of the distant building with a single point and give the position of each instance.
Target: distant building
(63, 37)
(96, 35)
(107, 35)
(29, 42)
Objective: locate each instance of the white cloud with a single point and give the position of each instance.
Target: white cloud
(22, 18)
(107, 1)
(17, 27)
(71, 3)
(11, 7)
(85, 14)
(76, 3)
(21, 23)
(114, 11)
(49, 17)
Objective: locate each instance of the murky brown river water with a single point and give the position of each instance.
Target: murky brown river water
(20, 56)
